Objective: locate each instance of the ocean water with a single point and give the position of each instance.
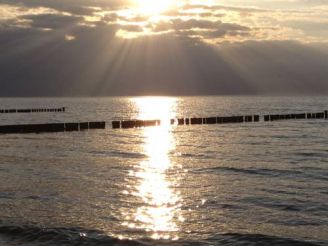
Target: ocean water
(262, 183)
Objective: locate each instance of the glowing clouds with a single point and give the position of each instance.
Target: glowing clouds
(153, 7)
(209, 21)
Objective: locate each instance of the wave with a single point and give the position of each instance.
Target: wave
(257, 240)
(29, 235)
(59, 236)
(272, 173)
(254, 171)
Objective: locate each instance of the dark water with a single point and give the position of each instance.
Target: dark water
(261, 183)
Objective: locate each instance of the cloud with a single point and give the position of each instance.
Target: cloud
(276, 4)
(13, 16)
(81, 7)
(202, 29)
(224, 23)
(100, 63)
(52, 21)
(101, 47)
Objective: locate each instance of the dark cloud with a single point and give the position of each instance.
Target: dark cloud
(280, 66)
(99, 63)
(130, 28)
(208, 29)
(53, 53)
(80, 7)
(52, 21)
(223, 7)
(276, 4)
(180, 24)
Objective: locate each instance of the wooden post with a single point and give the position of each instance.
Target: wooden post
(84, 126)
(181, 121)
(210, 120)
(115, 124)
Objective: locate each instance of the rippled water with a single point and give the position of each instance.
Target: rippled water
(260, 183)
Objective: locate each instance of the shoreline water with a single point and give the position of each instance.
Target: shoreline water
(211, 184)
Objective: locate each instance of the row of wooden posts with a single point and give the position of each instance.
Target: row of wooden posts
(52, 127)
(218, 120)
(274, 117)
(67, 127)
(186, 121)
(33, 110)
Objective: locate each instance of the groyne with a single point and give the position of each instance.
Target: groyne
(125, 124)
(51, 127)
(32, 110)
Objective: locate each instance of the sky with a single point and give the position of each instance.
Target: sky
(149, 47)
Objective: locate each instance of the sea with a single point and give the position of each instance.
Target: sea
(259, 183)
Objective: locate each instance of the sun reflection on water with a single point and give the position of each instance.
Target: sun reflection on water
(160, 209)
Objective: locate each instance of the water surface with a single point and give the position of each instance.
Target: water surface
(241, 184)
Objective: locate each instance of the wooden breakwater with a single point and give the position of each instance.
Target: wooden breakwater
(275, 117)
(135, 123)
(185, 121)
(124, 124)
(32, 110)
(52, 127)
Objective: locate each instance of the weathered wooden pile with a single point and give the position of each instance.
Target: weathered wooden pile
(47, 127)
(52, 127)
(33, 110)
(274, 117)
(186, 121)
(124, 124)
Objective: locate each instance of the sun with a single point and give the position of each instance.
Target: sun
(154, 7)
